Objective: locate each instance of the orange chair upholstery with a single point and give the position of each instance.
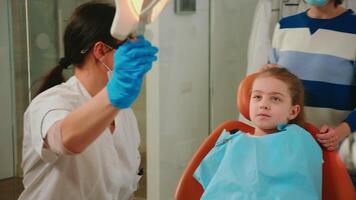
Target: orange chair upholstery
(337, 184)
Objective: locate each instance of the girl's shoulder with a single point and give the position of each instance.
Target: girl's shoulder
(298, 133)
(295, 129)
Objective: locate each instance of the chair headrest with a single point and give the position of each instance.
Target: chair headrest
(244, 95)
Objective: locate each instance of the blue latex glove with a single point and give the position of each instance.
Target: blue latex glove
(131, 62)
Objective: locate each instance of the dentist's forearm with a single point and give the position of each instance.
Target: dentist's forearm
(83, 125)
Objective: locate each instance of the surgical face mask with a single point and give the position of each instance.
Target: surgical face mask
(318, 3)
(109, 72)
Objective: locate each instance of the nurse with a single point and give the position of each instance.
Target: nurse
(80, 136)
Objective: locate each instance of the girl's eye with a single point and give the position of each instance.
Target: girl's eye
(256, 97)
(276, 99)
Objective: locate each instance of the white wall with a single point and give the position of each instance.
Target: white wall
(231, 22)
(177, 96)
(178, 100)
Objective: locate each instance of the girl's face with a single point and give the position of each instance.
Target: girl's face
(271, 104)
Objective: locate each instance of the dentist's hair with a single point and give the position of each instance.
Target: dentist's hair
(295, 88)
(89, 23)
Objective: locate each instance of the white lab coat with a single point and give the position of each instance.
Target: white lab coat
(260, 39)
(267, 14)
(107, 169)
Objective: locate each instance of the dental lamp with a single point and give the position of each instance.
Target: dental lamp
(130, 13)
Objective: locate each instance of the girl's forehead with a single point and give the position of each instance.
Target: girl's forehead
(269, 84)
(267, 79)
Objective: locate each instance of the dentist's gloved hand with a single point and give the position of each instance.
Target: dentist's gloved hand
(131, 62)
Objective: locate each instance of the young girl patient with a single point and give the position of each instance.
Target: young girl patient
(280, 160)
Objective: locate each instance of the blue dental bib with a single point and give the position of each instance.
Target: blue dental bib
(283, 165)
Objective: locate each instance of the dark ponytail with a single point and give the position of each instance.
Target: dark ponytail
(90, 23)
(53, 78)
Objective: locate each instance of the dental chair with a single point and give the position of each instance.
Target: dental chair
(336, 183)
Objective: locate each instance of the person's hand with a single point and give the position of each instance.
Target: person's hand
(267, 66)
(132, 61)
(330, 138)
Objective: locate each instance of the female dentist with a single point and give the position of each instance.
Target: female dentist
(80, 137)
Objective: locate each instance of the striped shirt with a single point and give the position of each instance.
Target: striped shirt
(322, 53)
